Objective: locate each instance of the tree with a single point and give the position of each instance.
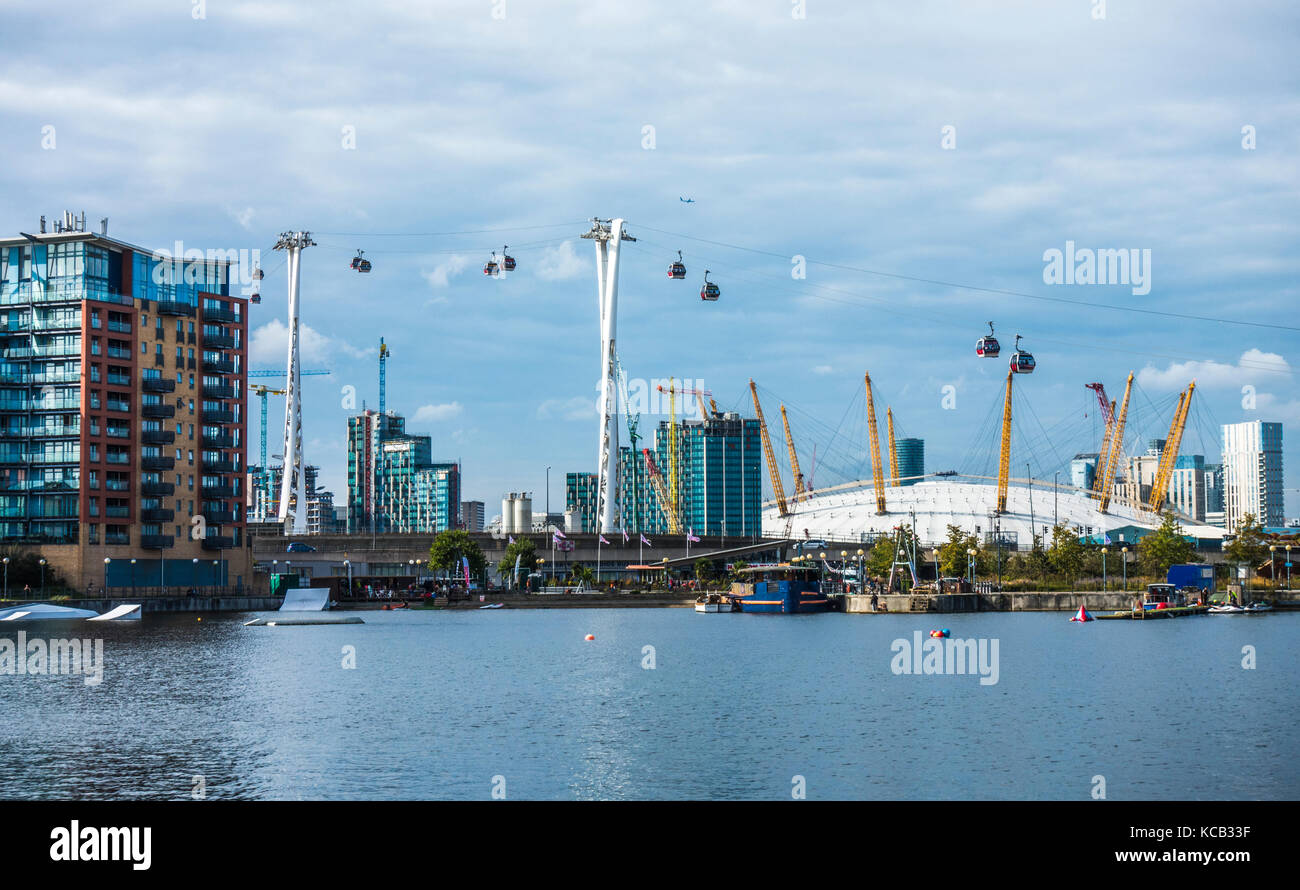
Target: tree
(1164, 547)
(1037, 562)
(703, 569)
(584, 575)
(737, 566)
(1066, 553)
(954, 556)
(1248, 547)
(450, 546)
(25, 568)
(522, 548)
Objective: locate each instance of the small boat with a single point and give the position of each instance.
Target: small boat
(1227, 609)
(492, 606)
(1260, 607)
(784, 589)
(714, 602)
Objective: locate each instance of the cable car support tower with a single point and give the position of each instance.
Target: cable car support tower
(293, 481)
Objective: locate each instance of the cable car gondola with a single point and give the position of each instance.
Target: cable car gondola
(1022, 362)
(490, 267)
(677, 269)
(507, 261)
(988, 347)
(256, 295)
(360, 263)
(710, 290)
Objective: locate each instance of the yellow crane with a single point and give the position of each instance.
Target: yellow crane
(772, 470)
(674, 439)
(1004, 455)
(877, 472)
(893, 452)
(1115, 447)
(661, 492)
(1165, 469)
(794, 458)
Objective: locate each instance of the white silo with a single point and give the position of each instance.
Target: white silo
(524, 513)
(508, 514)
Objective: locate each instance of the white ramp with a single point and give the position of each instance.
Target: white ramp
(306, 599)
(124, 612)
(14, 616)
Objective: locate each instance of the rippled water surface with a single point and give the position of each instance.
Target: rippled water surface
(735, 707)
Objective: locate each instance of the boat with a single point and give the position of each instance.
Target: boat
(714, 602)
(1260, 607)
(782, 589)
(1226, 609)
(1160, 601)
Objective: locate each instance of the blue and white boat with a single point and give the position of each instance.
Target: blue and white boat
(783, 589)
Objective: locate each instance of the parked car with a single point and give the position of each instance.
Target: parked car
(300, 547)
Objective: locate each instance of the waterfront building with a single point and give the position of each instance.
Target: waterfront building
(1083, 470)
(472, 515)
(1252, 472)
(1187, 486)
(394, 485)
(123, 410)
(911, 460)
(580, 501)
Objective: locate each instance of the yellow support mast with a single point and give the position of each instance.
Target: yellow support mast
(1115, 449)
(1004, 455)
(893, 452)
(1169, 456)
(877, 471)
(794, 458)
(661, 492)
(772, 470)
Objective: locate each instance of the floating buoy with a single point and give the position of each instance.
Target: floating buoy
(940, 634)
(589, 637)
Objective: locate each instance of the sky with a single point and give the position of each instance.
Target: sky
(921, 158)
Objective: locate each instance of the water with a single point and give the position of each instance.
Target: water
(736, 707)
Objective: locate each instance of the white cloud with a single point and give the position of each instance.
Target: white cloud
(576, 408)
(823, 370)
(1253, 365)
(561, 263)
(438, 413)
(270, 345)
(446, 270)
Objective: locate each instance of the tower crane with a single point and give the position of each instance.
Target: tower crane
(661, 492)
(877, 472)
(799, 489)
(262, 391)
(777, 491)
(1115, 447)
(1108, 414)
(267, 372)
(893, 453)
(1169, 455)
(674, 438)
(384, 352)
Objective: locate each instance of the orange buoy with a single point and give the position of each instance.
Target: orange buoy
(589, 637)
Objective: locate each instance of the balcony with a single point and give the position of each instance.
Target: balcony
(157, 437)
(158, 410)
(219, 517)
(219, 416)
(218, 391)
(157, 489)
(157, 542)
(218, 441)
(157, 515)
(218, 466)
(219, 316)
(218, 542)
(158, 384)
(171, 307)
(217, 492)
(219, 366)
(157, 463)
(218, 341)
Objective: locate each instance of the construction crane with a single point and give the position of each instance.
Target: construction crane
(794, 459)
(674, 439)
(262, 391)
(893, 453)
(384, 383)
(772, 470)
(633, 423)
(1114, 448)
(877, 472)
(1169, 455)
(1004, 455)
(661, 492)
(1108, 414)
(266, 372)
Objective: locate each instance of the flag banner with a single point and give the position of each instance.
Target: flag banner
(691, 536)
(602, 540)
(557, 532)
(624, 531)
(511, 541)
(646, 542)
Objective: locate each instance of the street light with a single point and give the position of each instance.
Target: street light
(665, 573)
(1272, 563)
(1124, 556)
(133, 578)
(862, 581)
(107, 560)
(1104, 551)
(1288, 566)
(347, 564)
(42, 577)
(970, 566)
(216, 573)
(194, 574)
(6, 562)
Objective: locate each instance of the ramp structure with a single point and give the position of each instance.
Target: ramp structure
(44, 612)
(305, 599)
(124, 612)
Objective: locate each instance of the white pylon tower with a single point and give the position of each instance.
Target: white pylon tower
(608, 235)
(293, 481)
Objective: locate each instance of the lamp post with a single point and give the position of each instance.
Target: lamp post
(6, 561)
(1288, 566)
(1124, 556)
(541, 566)
(107, 560)
(347, 564)
(216, 575)
(844, 564)
(1104, 551)
(970, 566)
(42, 577)
(133, 578)
(1272, 564)
(194, 574)
(862, 581)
